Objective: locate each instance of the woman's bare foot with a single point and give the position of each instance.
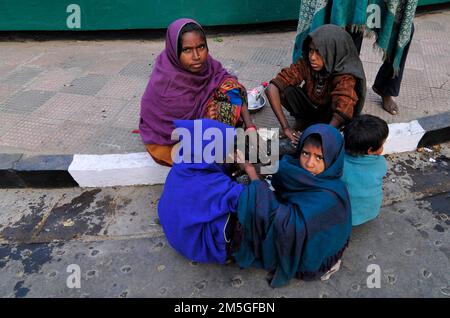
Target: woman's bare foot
(387, 102)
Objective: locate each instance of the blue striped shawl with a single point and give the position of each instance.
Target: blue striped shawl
(303, 228)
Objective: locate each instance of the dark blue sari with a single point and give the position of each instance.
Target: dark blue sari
(303, 228)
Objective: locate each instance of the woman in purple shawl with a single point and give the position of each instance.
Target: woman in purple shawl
(187, 83)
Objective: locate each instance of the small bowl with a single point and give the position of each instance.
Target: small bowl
(256, 104)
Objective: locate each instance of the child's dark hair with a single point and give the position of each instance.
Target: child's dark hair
(314, 140)
(189, 27)
(364, 133)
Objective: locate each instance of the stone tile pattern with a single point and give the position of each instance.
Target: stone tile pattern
(84, 97)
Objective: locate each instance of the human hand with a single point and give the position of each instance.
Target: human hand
(242, 163)
(246, 166)
(292, 135)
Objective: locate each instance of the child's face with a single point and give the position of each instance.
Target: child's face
(311, 159)
(315, 59)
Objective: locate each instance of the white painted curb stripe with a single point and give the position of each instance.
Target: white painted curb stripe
(141, 169)
(117, 170)
(403, 137)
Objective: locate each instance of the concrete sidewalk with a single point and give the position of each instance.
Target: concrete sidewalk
(83, 96)
(61, 98)
(114, 236)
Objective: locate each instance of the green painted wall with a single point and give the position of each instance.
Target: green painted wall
(143, 14)
(428, 2)
(140, 14)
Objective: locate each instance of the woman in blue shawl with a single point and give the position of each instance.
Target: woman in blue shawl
(199, 197)
(301, 230)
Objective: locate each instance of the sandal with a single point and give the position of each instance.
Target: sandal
(332, 270)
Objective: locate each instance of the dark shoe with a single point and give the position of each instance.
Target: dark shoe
(230, 260)
(332, 270)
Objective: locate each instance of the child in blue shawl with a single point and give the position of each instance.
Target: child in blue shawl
(198, 196)
(303, 229)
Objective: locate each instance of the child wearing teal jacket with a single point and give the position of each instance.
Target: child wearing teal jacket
(364, 166)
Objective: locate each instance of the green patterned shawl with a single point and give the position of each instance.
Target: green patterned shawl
(392, 34)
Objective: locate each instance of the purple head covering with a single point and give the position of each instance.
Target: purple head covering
(174, 93)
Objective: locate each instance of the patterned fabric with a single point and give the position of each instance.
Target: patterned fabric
(303, 229)
(342, 67)
(338, 91)
(393, 34)
(228, 100)
(396, 28)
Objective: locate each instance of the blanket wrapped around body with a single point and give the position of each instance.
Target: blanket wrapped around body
(303, 228)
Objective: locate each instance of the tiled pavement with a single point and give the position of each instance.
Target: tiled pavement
(72, 96)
